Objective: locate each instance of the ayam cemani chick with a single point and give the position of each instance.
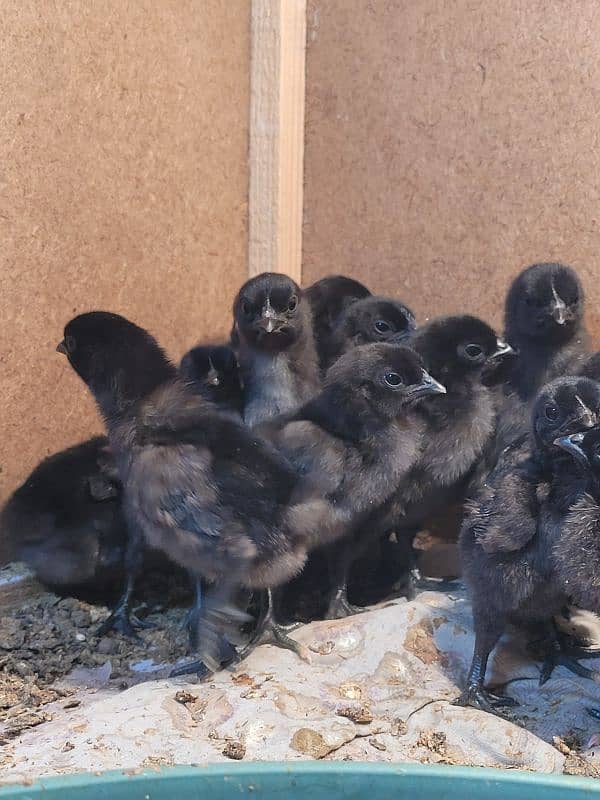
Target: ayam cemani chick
(65, 523)
(544, 323)
(374, 319)
(275, 345)
(200, 486)
(329, 298)
(358, 438)
(458, 425)
(214, 373)
(576, 548)
(507, 563)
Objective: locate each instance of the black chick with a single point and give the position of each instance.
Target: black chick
(198, 485)
(214, 373)
(544, 324)
(458, 426)
(576, 547)
(65, 523)
(329, 298)
(374, 319)
(360, 436)
(276, 347)
(506, 563)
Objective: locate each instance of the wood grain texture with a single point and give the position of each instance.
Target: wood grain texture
(123, 185)
(276, 149)
(450, 144)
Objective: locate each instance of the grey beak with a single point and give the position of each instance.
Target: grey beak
(559, 309)
(502, 349)
(571, 445)
(427, 386)
(559, 314)
(62, 348)
(213, 378)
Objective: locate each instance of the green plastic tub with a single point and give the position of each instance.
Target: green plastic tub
(310, 781)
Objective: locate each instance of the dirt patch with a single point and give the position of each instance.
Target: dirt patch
(44, 638)
(419, 641)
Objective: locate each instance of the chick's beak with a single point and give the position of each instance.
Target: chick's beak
(572, 445)
(502, 349)
(61, 348)
(269, 320)
(213, 378)
(427, 386)
(559, 308)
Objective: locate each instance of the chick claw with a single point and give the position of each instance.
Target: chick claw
(124, 622)
(476, 696)
(228, 655)
(556, 659)
(340, 607)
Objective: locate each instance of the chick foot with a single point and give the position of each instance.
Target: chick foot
(558, 658)
(125, 622)
(340, 607)
(228, 655)
(269, 631)
(476, 696)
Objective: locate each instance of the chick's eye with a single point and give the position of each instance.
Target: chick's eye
(473, 351)
(381, 326)
(392, 379)
(293, 303)
(246, 308)
(70, 344)
(552, 413)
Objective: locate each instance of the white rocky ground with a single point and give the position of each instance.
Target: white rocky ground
(379, 687)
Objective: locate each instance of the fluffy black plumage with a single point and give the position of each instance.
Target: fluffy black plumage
(214, 373)
(198, 485)
(544, 323)
(360, 435)
(374, 319)
(329, 298)
(65, 523)
(458, 425)
(506, 562)
(591, 367)
(276, 347)
(576, 543)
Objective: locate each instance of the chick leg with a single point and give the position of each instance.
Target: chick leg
(218, 621)
(192, 618)
(474, 694)
(268, 630)
(122, 619)
(339, 560)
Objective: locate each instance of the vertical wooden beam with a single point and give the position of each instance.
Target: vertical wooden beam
(277, 96)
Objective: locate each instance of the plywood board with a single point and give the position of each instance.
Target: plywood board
(123, 185)
(450, 144)
(276, 147)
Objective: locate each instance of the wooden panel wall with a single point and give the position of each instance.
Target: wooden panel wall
(123, 185)
(449, 144)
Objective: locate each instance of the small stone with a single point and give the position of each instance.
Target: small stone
(310, 742)
(323, 648)
(359, 714)
(350, 690)
(184, 697)
(377, 745)
(72, 704)
(234, 750)
(107, 646)
(80, 637)
(67, 746)
(399, 728)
